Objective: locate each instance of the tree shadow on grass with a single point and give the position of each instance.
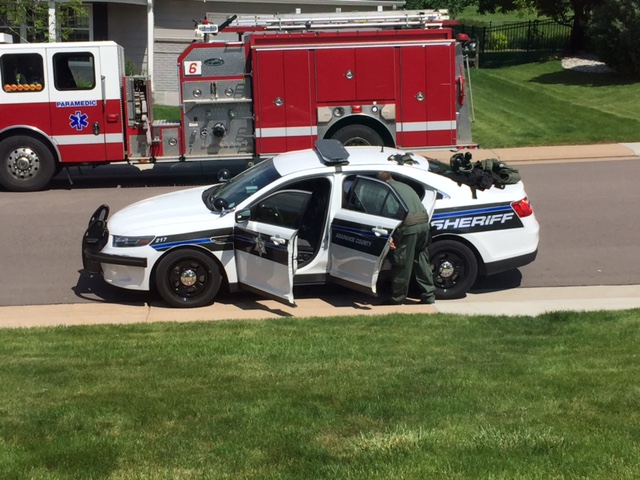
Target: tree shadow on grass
(582, 79)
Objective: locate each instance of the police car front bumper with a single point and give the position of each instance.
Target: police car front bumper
(94, 240)
(93, 261)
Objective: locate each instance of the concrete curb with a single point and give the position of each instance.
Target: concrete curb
(518, 301)
(536, 301)
(240, 309)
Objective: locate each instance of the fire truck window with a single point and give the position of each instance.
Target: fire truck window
(74, 71)
(22, 72)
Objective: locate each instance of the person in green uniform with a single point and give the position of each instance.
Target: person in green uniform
(409, 244)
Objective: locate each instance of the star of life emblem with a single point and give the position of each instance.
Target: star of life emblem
(79, 120)
(261, 246)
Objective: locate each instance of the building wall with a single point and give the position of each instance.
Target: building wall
(128, 27)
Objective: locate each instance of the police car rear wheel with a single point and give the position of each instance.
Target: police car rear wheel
(26, 164)
(455, 268)
(358, 135)
(188, 278)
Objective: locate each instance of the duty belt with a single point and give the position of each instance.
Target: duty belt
(415, 219)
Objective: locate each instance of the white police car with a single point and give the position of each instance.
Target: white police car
(308, 217)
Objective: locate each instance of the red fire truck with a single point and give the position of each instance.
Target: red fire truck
(382, 78)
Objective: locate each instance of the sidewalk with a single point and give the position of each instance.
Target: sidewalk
(563, 153)
(519, 301)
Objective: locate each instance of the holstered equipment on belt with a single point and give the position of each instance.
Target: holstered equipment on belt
(415, 219)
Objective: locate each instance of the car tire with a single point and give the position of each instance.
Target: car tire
(188, 278)
(358, 135)
(455, 268)
(26, 164)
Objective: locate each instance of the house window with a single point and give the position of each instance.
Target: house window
(77, 24)
(32, 24)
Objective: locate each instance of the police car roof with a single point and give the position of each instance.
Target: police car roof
(292, 162)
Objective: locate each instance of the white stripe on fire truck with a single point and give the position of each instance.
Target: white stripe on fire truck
(426, 126)
(88, 139)
(401, 127)
(286, 132)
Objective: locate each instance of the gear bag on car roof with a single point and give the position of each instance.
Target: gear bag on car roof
(483, 174)
(502, 173)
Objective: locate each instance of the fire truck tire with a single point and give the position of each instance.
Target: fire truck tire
(358, 135)
(26, 164)
(455, 268)
(188, 278)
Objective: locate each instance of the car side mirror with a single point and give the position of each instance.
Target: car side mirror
(220, 204)
(243, 216)
(224, 175)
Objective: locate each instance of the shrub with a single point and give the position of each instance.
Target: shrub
(614, 32)
(497, 41)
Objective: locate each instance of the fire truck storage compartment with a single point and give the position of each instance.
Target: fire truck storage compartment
(166, 139)
(355, 74)
(428, 94)
(283, 83)
(217, 100)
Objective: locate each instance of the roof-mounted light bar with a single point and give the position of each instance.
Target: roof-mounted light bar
(332, 152)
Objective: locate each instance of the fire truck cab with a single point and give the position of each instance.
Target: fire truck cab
(376, 78)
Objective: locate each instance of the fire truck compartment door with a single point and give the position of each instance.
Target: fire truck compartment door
(265, 243)
(78, 103)
(360, 233)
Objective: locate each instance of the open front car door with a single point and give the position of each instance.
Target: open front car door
(265, 242)
(360, 233)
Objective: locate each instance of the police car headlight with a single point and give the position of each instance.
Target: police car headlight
(120, 241)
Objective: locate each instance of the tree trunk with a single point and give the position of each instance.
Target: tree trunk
(578, 40)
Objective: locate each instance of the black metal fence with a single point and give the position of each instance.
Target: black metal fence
(517, 43)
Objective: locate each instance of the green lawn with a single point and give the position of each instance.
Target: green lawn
(544, 104)
(391, 397)
(471, 15)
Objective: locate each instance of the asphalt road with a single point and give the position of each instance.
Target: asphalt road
(587, 211)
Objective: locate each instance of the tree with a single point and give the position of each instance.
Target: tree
(614, 33)
(574, 13)
(28, 20)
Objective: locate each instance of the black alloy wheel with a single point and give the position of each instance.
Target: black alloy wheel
(455, 268)
(188, 278)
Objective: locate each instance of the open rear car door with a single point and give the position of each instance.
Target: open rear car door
(360, 233)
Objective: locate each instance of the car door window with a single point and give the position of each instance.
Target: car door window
(375, 197)
(282, 209)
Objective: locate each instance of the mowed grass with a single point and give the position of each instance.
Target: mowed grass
(390, 397)
(544, 104)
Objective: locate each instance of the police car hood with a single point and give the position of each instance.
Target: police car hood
(164, 214)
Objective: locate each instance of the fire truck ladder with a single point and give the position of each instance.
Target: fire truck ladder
(323, 21)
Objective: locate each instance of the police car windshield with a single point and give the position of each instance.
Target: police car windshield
(245, 184)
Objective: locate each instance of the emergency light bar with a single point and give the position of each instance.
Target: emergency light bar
(332, 152)
(206, 29)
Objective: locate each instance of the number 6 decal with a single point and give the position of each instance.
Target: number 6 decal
(192, 68)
